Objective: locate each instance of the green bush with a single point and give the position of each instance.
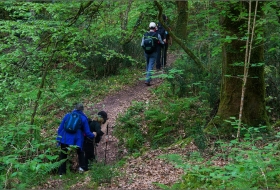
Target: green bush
(249, 164)
(187, 80)
(107, 57)
(161, 123)
(129, 128)
(101, 173)
(171, 119)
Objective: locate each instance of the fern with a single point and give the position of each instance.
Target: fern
(250, 167)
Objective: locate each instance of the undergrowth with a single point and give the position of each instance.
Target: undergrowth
(101, 173)
(29, 152)
(172, 114)
(249, 164)
(178, 111)
(160, 123)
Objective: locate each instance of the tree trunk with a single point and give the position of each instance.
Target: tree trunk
(254, 113)
(182, 19)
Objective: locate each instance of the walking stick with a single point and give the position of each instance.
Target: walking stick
(106, 143)
(94, 150)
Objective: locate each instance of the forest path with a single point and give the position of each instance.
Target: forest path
(141, 172)
(137, 173)
(117, 104)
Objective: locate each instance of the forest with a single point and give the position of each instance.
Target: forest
(211, 122)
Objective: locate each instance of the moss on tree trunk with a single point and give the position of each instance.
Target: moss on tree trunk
(182, 19)
(254, 113)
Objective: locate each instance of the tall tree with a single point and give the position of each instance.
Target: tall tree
(254, 112)
(182, 19)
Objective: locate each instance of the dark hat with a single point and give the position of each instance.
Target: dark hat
(79, 106)
(103, 114)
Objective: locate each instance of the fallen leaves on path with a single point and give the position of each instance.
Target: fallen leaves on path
(143, 172)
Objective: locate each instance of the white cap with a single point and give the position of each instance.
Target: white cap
(152, 25)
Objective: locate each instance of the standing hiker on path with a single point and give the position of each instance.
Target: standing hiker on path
(162, 50)
(150, 41)
(90, 144)
(71, 133)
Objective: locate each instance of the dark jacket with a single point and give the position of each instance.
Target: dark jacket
(76, 138)
(161, 30)
(95, 127)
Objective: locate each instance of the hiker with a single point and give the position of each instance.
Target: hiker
(162, 50)
(90, 144)
(150, 41)
(67, 138)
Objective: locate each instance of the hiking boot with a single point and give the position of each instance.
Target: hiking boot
(81, 170)
(148, 83)
(61, 174)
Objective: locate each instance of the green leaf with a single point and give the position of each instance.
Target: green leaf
(51, 157)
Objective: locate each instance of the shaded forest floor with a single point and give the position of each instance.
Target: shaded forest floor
(142, 172)
(138, 173)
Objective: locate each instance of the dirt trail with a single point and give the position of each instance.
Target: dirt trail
(137, 173)
(144, 171)
(116, 104)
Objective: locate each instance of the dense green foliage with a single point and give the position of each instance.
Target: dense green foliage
(56, 53)
(50, 60)
(179, 110)
(236, 165)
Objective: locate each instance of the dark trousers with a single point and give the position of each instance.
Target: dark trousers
(161, 56)
(164, 53)
(159, 60)
(63, 155)
(89, 153)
